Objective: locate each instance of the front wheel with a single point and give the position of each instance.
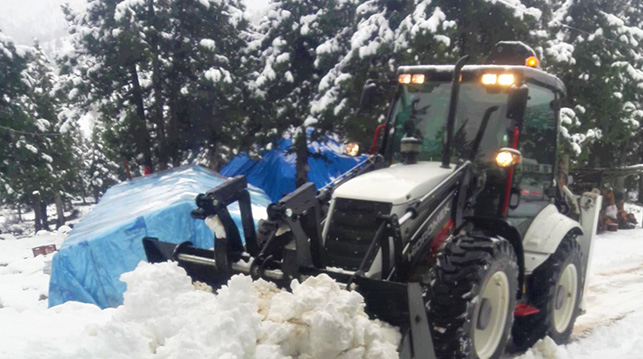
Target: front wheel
(556, 289)
(472, 297)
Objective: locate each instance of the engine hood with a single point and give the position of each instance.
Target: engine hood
(397, 184)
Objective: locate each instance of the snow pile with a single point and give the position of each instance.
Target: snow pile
(164, 316)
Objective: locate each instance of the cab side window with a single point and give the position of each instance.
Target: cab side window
(537, 143)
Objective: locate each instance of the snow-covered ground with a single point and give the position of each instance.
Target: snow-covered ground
(164, 316)
(23, 285)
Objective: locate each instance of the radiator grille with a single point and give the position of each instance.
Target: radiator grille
(353, 224)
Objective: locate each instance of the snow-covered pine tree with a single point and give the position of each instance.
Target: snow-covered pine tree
(56, 149)
(13, 119)
(479, 25)
(98, 170)
(384, 35)
(205, 80)
(286, 55)
(161, 72)
(103, 71)
(37, 166)
(594, 49)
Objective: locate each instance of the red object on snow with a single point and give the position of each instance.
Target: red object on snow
(147, 171)
(50, 248)
(525, 309)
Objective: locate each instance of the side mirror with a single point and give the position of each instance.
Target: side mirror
(370, 94)
(514, 199)
(517, 103)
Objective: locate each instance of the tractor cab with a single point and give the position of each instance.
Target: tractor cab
(505, 124)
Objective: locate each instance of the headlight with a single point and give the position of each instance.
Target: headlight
(495, 79)
(508, 157)
(352, 149)
(506, 79)
(489, 79)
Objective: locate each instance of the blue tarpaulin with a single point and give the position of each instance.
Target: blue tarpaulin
(108, 241)
(275, 172)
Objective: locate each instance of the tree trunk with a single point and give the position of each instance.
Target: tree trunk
(463, 42)
(60, 211)
(591, 159)
(173, 146)
(619, 183)
(143, 137)
(45, 223)
(128, 174)
(37, 210)
(173, 126)
(157, 85)
(84, 189)
(301, 152)
(564, 167)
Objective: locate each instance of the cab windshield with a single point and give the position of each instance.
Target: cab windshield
(481, 124)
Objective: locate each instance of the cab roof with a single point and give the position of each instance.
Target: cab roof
(475, 72)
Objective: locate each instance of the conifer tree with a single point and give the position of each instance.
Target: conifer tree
(162, 74)
(286, 55)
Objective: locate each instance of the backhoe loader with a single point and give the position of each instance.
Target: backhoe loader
(459, 228)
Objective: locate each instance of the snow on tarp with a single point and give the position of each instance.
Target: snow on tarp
(275, 172)
(107, 242)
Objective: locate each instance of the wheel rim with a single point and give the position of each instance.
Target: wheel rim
(565, 297)
(486, 337)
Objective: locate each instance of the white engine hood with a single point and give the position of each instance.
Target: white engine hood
(397, 184)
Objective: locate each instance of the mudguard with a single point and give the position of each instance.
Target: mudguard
(545, 234)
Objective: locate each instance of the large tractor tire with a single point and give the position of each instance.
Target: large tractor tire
(555, 288)
(472, 296)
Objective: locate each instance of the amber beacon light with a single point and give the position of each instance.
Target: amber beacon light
(532, 61)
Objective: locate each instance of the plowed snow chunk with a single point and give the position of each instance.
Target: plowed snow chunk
(320, 320)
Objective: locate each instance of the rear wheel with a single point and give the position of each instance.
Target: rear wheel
(555, 289)
(472, 297)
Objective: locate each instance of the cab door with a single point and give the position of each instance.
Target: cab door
(538, 144)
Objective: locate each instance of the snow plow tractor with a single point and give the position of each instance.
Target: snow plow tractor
(456, 229)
